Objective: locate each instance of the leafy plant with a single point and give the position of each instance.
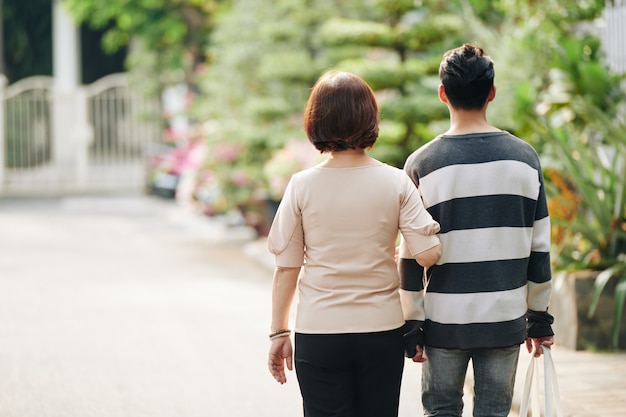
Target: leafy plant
(594, 163)
(616, 271)
(588, 179)
(167, 38)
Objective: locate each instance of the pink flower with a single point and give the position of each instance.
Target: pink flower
(227, 153)
(239, 177)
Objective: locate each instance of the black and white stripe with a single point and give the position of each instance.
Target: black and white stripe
(486, 191)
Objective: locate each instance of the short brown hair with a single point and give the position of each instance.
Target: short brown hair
(342, 113)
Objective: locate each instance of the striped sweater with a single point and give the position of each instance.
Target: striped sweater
(493, 279)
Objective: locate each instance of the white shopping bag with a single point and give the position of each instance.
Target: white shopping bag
(552, 398)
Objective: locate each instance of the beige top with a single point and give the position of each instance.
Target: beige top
(342, 225)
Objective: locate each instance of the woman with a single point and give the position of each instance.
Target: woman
(334, 239)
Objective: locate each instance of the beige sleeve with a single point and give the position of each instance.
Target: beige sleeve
(416, 224)
(286, 237)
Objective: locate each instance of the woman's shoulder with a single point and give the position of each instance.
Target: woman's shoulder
(394, 171)
(307, 174)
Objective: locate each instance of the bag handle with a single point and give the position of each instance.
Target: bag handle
(528, 384)
(553, 404)
(552, 397)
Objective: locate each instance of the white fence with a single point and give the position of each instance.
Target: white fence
(614, 34)
(91, 139)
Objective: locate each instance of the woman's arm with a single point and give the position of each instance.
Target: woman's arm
(429, 257)
(283, 293)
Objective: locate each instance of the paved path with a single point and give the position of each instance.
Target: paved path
(132, 306)
(591, 384)
(114, 308)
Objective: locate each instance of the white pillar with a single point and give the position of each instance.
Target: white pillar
(3, 85)
(67, 99)
(65, 47)
(81, 137)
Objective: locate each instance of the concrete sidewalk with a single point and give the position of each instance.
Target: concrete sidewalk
(590, 384)
(127, 307)
(189, 286)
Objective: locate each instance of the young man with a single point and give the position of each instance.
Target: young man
(489, 291)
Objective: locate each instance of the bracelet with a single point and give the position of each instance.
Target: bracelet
(280, 333)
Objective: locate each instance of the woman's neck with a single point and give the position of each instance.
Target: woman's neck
(349, 158)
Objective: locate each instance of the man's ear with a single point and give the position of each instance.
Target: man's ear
(442, 94)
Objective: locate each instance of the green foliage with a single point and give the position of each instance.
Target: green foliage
(166, 36)
(588, 148)
(592, 159)
(163, 24)
(579, 62)
(405, 42)
(564, 14)
(617, 271)
(341, 31)
(266, 58)
(529, 41)
(380, 75)
(586, 139)
(430, 29)
(290, 66)
(27, 38)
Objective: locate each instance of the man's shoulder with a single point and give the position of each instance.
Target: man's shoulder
(524, 149)
(424, 150)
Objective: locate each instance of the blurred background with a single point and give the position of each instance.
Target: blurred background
(202, 101)
(196, 106)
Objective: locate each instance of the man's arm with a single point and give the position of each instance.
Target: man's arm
(539, 321)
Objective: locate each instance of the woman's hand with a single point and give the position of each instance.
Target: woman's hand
(281, 353)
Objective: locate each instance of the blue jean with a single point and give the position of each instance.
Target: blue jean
(443, 377)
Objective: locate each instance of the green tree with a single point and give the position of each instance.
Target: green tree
(530, 43)
(267, 56)
(168, 38)
(401, 46)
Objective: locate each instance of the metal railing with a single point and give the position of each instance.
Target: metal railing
(91, 139)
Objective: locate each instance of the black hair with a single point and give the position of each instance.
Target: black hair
(467, 76)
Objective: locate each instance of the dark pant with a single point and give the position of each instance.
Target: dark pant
(350, 375)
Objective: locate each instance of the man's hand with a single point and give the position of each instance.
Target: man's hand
(419, 355)
(537, 343)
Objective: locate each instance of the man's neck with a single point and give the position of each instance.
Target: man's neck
(463, 122)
